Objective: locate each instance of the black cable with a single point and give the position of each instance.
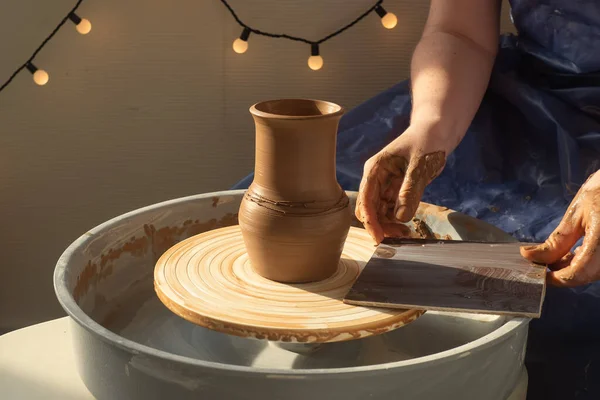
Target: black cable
(295, 38)
(35, 53)
(351, 24)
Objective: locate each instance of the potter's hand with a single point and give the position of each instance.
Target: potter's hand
(394, 181)
(581, 219)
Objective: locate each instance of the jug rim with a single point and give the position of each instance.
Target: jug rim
(326, 109)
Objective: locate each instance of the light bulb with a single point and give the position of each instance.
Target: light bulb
(240, 46)
(389, 21)
(315, 62)
(84, 27)
(40, 77)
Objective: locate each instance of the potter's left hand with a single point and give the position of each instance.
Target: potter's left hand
(581, 219)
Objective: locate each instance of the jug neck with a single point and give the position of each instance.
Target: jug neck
(295, 158)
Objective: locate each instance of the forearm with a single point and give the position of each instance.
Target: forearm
(449, 76)
(451, 66)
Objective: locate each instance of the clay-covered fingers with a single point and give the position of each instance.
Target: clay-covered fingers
(559, 243)
(584, 266)
(581, 219)
(391, 190)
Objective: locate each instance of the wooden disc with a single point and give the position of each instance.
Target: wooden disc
(208, 280)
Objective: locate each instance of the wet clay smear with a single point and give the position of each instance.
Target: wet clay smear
(457, 276)
(423, 230)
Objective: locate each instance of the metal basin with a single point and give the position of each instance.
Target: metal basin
(129, 346)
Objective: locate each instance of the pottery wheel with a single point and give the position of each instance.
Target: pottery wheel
(208, 280)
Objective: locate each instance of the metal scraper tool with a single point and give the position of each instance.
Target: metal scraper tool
(451, 275)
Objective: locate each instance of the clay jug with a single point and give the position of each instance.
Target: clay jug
(295, 217)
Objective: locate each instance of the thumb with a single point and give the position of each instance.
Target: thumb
(421, 170)
(411, 192)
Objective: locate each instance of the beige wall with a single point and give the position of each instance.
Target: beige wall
(152, 105)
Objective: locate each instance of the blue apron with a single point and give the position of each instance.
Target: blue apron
(531, 145)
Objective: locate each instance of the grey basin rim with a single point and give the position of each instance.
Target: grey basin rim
(68, 303)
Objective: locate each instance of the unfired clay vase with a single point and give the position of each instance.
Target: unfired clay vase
(295, 216)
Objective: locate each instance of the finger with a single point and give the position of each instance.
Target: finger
(557, 245)
(421, 170)
(410, 194)
(360, 197)
(562, 263)
(395, 230)
(585, 266)
(393, 188)
(393, 175)
(390, 196)
(385, 210)
(369, 203)
(358, 206)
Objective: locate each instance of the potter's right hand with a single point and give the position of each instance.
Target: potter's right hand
(394, 180)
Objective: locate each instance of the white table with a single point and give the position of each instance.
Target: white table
(37, 362)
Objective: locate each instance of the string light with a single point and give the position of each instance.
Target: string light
(82, 25)
(240, 45)
(388, 20)
(40, 76)
(315, 61)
